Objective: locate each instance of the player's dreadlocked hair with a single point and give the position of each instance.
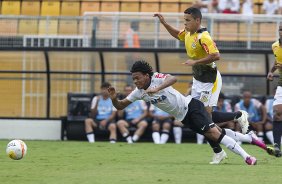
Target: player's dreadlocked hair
(142, 66)
(194, 12)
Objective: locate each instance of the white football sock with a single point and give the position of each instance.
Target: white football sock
(91, 137)
(177, 132)
(234, 147)
(269, 135)
(164, 137)
(238, 136)
(260, 136)
(156, 137)
(200, 139)
(135, 138)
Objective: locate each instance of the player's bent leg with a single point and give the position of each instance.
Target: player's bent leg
(89, 130)
(141, 127)
(123, 128)
(113, 132)
(277, 128)
(156, 134)
(165, 132)
(214, 135)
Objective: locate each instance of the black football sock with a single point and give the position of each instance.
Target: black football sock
(277, 132)
(215, 146)
(220, 117)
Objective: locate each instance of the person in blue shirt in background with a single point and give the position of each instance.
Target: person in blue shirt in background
(256, 111)
(133, 115)
(102, 115)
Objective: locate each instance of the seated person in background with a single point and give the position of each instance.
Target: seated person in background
(224, 106)
(132, 116)
(256, 111)
(162, 121)
(102, 115)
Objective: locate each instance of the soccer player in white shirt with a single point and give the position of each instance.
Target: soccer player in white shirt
(156, 88)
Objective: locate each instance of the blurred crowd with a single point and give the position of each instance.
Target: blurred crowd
(269, 7)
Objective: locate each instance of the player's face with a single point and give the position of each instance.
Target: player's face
(247, 97)
(140, 80)
(104, 92)
(191, 24)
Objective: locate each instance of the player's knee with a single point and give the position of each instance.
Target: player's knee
(88, 122)
(166, 126)
(112, 127)
(143, 124)
(121, 123)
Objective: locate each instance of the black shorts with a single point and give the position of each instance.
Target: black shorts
(197, 118)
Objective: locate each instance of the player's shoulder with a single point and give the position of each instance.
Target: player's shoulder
(206, 35)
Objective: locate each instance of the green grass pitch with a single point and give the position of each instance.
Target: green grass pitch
(70, 162)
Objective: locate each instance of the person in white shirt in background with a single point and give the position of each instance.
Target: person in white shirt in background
(247, 7)
(270, 7)
(229, 6)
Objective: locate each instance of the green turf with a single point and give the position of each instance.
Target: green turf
(81, 162)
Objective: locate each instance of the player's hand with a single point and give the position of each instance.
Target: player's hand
(270, 76)
(151, 90)
(189, 62)
(278, 66)
(112, 92)
(161, 18)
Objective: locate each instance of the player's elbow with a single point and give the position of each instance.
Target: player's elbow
(216, 56)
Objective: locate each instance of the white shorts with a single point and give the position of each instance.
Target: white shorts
(278, 96)
(207, 93)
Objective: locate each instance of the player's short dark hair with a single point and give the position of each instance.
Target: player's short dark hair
(194, 12)
(143, 67)
(105, 85)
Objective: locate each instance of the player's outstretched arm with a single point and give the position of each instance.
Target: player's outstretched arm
(272, 70)
(118, 104)
(173, 31)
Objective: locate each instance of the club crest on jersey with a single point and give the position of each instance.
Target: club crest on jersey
(159, 99)
(193, 45)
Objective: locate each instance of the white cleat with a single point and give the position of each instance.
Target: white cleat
(243, 121)
(218, 157)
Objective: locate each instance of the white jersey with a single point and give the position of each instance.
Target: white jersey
(168, 99)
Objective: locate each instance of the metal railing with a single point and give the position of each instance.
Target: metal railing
(107, 29)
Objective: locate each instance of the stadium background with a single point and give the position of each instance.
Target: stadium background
(51, 48)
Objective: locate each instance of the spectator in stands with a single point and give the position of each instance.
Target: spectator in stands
(102, 115)
(280, 7)
(229, 6)
(247, 7)
(131, 39)
(132, 116)
(203, 5)
(162, 121)
(256, 111)
(270, 7)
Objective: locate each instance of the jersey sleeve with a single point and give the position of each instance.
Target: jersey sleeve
(257, 103)
(94, 102)
(159, 78)
(181, 35)
(134, 95)
(208, 44)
